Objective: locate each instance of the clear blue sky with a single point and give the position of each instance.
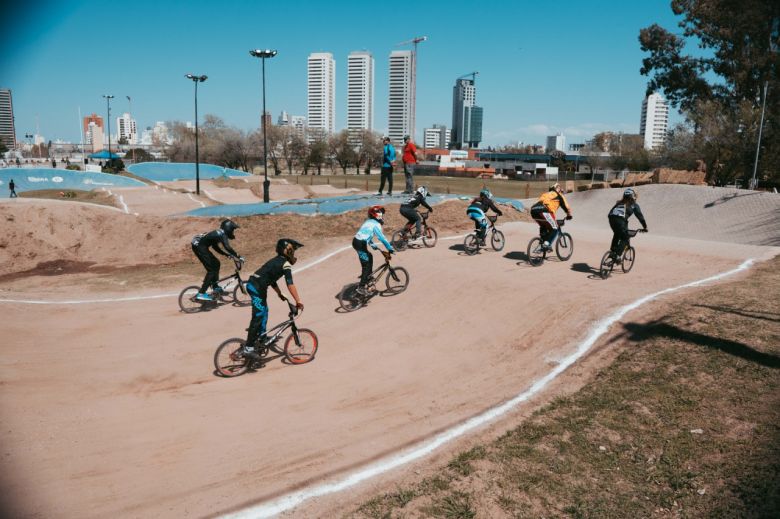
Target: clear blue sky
(545, 67)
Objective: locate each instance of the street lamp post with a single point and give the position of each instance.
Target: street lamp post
(196, 80)
(108, 120)
(262, 54)
(758, 144)
(29, 137)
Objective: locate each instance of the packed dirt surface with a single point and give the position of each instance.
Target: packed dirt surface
(112, 409)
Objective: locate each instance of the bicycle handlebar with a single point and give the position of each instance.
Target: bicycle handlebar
(294, 312)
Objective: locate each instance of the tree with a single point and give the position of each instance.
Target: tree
(3, 147)
(140, 154)
(299, 152)
(739, 42)
(341, 149)
(318, 151)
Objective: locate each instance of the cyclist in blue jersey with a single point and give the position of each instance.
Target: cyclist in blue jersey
(364, 238)
(476, 211)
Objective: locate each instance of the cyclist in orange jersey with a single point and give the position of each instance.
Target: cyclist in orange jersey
(543, 212)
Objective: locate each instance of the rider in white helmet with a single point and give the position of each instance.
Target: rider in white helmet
(409, 208)
(618, 220)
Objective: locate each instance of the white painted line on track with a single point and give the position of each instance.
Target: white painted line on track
(198, 201)
(290, 501)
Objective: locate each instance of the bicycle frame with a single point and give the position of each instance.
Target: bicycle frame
(235, 275)
(273, 334)
(424, 224)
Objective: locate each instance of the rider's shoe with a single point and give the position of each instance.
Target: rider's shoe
(250, 353)
(546, 246)
(363, 291)
(218, 291)
(204, 297)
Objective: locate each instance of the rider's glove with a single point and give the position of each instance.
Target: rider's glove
(569, 216)
(644, 230)
(241, 259)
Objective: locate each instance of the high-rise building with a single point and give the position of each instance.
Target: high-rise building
(400, 117)
(655, 121)
(94, 118)
(284, 119)
(360, 93)
(436, 137)
(556, 143)
(126, 129)
(466, 115)
(7, 128)
(322, 92)
(95, 137)
(267, 119)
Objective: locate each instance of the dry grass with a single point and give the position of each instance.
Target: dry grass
(92, 197)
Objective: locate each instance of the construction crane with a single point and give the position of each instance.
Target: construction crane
(413, 82)
(472, 74)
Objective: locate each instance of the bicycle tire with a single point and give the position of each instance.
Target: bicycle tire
(396, 286)
(535, 253)
(302, 350)
(497, 240)
(607, 264)
(241, 298)
(398, 241)
(430, 237)
(226, 360)
(187, 301)
(564, 247)
(471, 244)
(627, 262)
(349, 299)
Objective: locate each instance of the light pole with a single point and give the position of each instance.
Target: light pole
(758, 144)
(196, 80)
(108, 120)
(29, 137)
(262, 54)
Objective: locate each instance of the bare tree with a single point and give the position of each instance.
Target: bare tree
(341, 149)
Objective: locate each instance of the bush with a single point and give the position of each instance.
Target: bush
(73, 167)
(114, 166)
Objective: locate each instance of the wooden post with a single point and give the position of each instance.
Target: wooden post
(345, 182)
(328, 180)
(528, 190)
(366, 184)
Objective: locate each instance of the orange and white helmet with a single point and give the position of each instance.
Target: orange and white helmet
(377, 212)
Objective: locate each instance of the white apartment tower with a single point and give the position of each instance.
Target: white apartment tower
(655, 121)
(556, 143)
(7, 130)
(322, 92)
(360, 92)
(400, 120)
(126, 128)
(436, 137)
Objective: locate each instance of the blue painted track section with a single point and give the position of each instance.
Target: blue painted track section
(328, 206)
(170, 171)
(29, 179)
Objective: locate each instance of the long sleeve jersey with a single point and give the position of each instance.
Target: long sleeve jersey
(370, 229)
(416, 200)
(552, 200)
(214, 239)
(483, 204)
(624, 210)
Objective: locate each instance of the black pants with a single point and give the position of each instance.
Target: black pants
(620, 238)
(366, 260)
(387, 174)
(411, 214)
(211, 263)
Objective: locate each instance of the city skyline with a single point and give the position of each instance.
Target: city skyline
(593, 83)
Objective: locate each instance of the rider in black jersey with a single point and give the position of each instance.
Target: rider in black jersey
(200, 246)
(618, 221)
(257, 286)
(409, 208)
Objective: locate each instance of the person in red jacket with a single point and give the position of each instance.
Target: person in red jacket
(410, 159)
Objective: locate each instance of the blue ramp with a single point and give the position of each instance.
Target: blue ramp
(30, 179)
(171, 171)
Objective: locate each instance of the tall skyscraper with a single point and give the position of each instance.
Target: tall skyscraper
(7, 128)
(322, 92)
(400, 117)
(360, 92)
(466, 115)
(655, 121)
(436, 137)
(126, 129)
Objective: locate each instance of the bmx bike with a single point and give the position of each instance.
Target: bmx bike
(564, 247)
(472, 242)
(232, 289)
(625, 259)
(402, 238)
(396, 281)
(299, 348)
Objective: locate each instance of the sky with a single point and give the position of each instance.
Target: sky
(568, 66)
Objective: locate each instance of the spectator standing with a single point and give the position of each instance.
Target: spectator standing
(409, 159)
(12, 187)
(388, 157)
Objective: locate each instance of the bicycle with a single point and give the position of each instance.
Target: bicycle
(626, 258)
(564, 247)
(403, 237)
(396, 281)
(299, 348)
(233, 290)
(472, 243)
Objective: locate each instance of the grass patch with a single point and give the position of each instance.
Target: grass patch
(685, 422)
(92, 197)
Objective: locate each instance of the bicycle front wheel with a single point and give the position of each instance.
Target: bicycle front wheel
(301, 346)
(397, 280)
(628, 259)
(535, 252)
(471, 244)
(241, 296)
(399, 241)
(497, 240)
(228, 359)
(349, 298)
(564, 247)
(188, 302)
(430, 237)
(607, 264)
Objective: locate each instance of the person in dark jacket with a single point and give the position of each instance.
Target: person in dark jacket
(409, 208)
(12, 188)
(200, 247)
(618, 221)
(476, 211)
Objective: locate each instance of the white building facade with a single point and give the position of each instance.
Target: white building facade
(400, 118)
(436, 137)
(126, 129)
(360, 92)
(322, 92)
(655, 121)
(556, 143)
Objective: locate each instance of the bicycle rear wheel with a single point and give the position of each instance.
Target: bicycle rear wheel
(607, 264)
(228, 359)
(241, 296)
(349, 298)
(564, 247)
(628, 259)
(497, 240)
(302, 349)
(430, 237)
(397, 280)
(399, 241)
(187, 301)
(535, 252)
(471, 244)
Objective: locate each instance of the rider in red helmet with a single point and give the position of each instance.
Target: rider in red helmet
(364, 238)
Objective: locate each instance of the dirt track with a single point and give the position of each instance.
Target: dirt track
(112, 409)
